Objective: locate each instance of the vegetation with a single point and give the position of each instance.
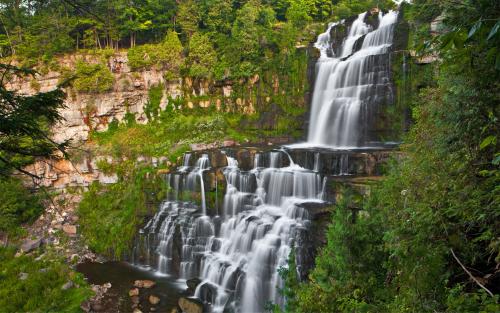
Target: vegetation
(93, 78)
(427, 239)
(238, 38)
(111, 214)
(24, 122)
(29, 284)
(17, 205)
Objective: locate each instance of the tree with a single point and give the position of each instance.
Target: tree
(188, 17)
(201, 57)
(25, 122)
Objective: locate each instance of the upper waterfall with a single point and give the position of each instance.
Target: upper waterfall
(347, 84)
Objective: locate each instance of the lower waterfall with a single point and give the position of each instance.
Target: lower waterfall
(236, 254)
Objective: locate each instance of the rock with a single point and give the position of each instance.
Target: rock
(154, 300)
(135, 299)
(30, 245)
(23, 276)
(193, 283)
(97, 307)
(69, 229)
(133, 292)
(137, 311)
(144, 283)
(85, 306)
(67, 285)
(190, 305)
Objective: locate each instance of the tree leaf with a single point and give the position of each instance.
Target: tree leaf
(474, 29)
(488, 141)
(494, 30)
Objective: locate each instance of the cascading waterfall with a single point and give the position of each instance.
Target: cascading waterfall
(237, 249)
(347, 83)
(237, 254)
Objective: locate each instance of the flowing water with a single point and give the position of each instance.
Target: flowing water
(349, 83)
(236, 245)
(237, 254)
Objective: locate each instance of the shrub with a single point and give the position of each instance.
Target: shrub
(42, 290)
(165, 55)
(17, 205)
(93, 78)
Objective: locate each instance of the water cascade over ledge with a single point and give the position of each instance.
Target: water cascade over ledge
(350, 85)
(233, 225)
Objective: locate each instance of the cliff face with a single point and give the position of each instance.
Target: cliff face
(269, 97)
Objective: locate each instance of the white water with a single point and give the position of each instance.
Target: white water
(346, 83)
(237, 254)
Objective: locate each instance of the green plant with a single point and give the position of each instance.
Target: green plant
(17, 205)
(93, 78)
(42, 289)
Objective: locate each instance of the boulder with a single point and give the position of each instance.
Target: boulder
(190, 305)
(133, 292)
(30, 245)
(154, 300)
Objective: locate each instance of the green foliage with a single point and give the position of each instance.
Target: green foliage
(202, 56)
(24, 123)
(42, 290)
(93, 78)
(110, 214)
(438, 205)
(152, 107)
(165, 55)
(17, 205)
(346, 8)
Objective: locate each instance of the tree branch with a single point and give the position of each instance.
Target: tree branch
(470, 274)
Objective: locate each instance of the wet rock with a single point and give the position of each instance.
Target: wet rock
(192, 284)
(154, 300)
(30, 245)
(133, 292)
(190, 305)
(144, 284)
(67, 285)
(69, 229)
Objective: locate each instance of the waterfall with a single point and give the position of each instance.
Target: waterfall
(270, 203)
(346, 84)
(237, 254)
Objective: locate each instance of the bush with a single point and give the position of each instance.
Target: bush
(17, 205)
(42, 290)
(111, 214)
(93, 78)
(165, 55)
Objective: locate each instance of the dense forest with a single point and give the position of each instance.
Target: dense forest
(425, 238)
